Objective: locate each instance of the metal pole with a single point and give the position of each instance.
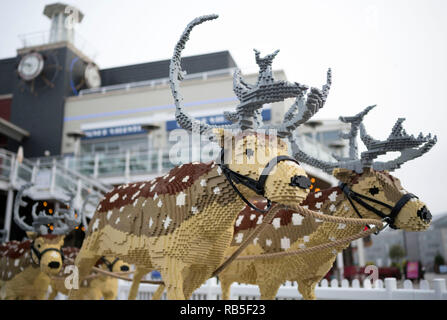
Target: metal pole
(8, 216)
(361, 252)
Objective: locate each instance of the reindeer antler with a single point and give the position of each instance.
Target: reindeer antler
(314, 101)
(70, 218)
(42, 220)
(398, 140)
(176, 74)
(251, 97)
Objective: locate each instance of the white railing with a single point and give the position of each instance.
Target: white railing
(130, 164)
(156, 82)
(40, 38)
(51, 180)
(381, 290)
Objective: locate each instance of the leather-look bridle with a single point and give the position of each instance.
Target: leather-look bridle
(109, 264)
(258, 186)
(387, 218)
(39, 254)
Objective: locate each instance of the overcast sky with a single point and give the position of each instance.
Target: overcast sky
(389, 53)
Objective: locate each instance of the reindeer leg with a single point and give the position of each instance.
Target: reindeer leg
(85, 261)
(307, 288)
(225, 286)
(140, 272)
(269, 289)
(173, 277)
(52, 294)
(157, 294)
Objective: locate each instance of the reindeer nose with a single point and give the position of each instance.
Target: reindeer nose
(54, 264)
(124, 268)
(302, 182)
(424, 214)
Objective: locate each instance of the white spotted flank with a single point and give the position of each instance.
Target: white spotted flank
(238, 238)
(239, 220)
(166, 222)
(297, 219)
(285, 243)
(114, 197)
(333, 196)
(180, 200)
(276, 223)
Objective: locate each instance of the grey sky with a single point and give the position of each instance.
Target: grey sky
(389, 53)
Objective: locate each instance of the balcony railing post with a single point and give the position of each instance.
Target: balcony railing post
(160, 160)
(127, 167)
(53, 177)
(34, 173)
(96, 166)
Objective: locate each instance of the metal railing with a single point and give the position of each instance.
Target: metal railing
(155, 82)
(44, 37)
(333, 290)
(50, 180)
(129, 164)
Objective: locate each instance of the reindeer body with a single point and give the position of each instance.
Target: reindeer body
(21, 277)
(94, 288)
(290, 231)
(177, 224)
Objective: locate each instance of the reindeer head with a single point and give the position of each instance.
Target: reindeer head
(372, 190)
(253, 155)
(113, 264)
(47, 233)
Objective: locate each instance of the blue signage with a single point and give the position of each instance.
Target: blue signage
(170, 125)
(113, 131)
(215, 120)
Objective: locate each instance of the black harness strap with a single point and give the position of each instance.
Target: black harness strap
(257, 186)
(39, 254)
(109, 264)
(390, 218)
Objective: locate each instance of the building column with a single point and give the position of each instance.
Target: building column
(340, 265)
(360, 252)
(8, 215)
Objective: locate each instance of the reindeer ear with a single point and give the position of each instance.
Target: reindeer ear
(31, 235)
(342, 174)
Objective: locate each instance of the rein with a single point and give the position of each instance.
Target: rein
(306, 212)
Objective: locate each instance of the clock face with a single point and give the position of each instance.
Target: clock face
(30, 66)
(92, 77)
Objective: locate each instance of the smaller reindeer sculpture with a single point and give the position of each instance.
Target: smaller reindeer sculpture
(25, 266)
(94, 287)
(367, 190)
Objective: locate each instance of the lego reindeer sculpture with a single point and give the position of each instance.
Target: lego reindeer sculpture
(181, 223)
(367, 191)
(26, 266)
(95, 286)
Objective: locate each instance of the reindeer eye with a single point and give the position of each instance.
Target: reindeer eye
(374, 190)
(249, 152)
(38, 245)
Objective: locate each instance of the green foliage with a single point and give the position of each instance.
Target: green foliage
(396, 253)
(439, 259)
